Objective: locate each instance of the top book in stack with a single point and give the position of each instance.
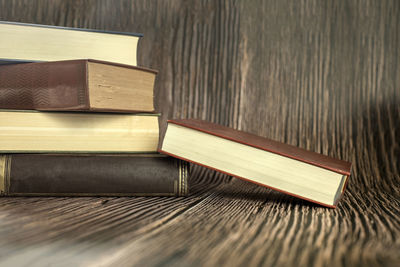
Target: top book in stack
(22, 42)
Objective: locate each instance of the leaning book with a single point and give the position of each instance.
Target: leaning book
(282, 167)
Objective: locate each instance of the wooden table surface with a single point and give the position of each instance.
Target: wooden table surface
(321, 75)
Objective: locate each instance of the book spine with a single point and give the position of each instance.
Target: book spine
(92, 175)
(44, 86)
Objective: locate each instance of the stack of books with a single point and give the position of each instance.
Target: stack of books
(79, 119)
(78, 126)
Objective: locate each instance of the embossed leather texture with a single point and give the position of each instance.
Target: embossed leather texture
(58, 85)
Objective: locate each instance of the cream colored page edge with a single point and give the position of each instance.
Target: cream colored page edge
(120, 88)
(256, 159)
(21, 42)
(44, 131)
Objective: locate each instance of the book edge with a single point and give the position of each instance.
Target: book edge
(10, 61)
(86, 85)
(248, 180)
(262, 148)
(343, 190)
(61, 111)
(134, 155)
(2, 174)
(75, 152)
(139, 68)
(118, 65)
(89, 194)
(70, 28)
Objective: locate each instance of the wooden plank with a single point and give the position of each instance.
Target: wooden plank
(242, 224)
(90, 230)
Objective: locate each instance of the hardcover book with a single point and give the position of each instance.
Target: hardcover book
(39, 132)
(77, 85)
(92, 175)
(34, 42)
(284, 168)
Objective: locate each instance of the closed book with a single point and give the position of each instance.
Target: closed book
(65, 132)
(77, 85)
(282, 167)
(35, 42)
(92, 175)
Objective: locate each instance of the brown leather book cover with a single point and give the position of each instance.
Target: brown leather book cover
(92, 175)
(58, 86)
(313, 158)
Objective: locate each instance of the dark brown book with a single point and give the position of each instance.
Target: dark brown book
(77, 85)
(282, 167)
(92, 175)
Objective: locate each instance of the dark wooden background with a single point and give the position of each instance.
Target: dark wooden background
(322, 75)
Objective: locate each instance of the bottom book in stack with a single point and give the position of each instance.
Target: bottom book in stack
(92, 175)
(85, 154)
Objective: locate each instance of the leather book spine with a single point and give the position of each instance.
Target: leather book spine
(92, 175)
(44, 86)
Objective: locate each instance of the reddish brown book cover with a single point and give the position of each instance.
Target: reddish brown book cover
(293, 152)
(64, 86)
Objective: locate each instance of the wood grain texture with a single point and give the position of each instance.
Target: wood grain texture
(322, 75)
